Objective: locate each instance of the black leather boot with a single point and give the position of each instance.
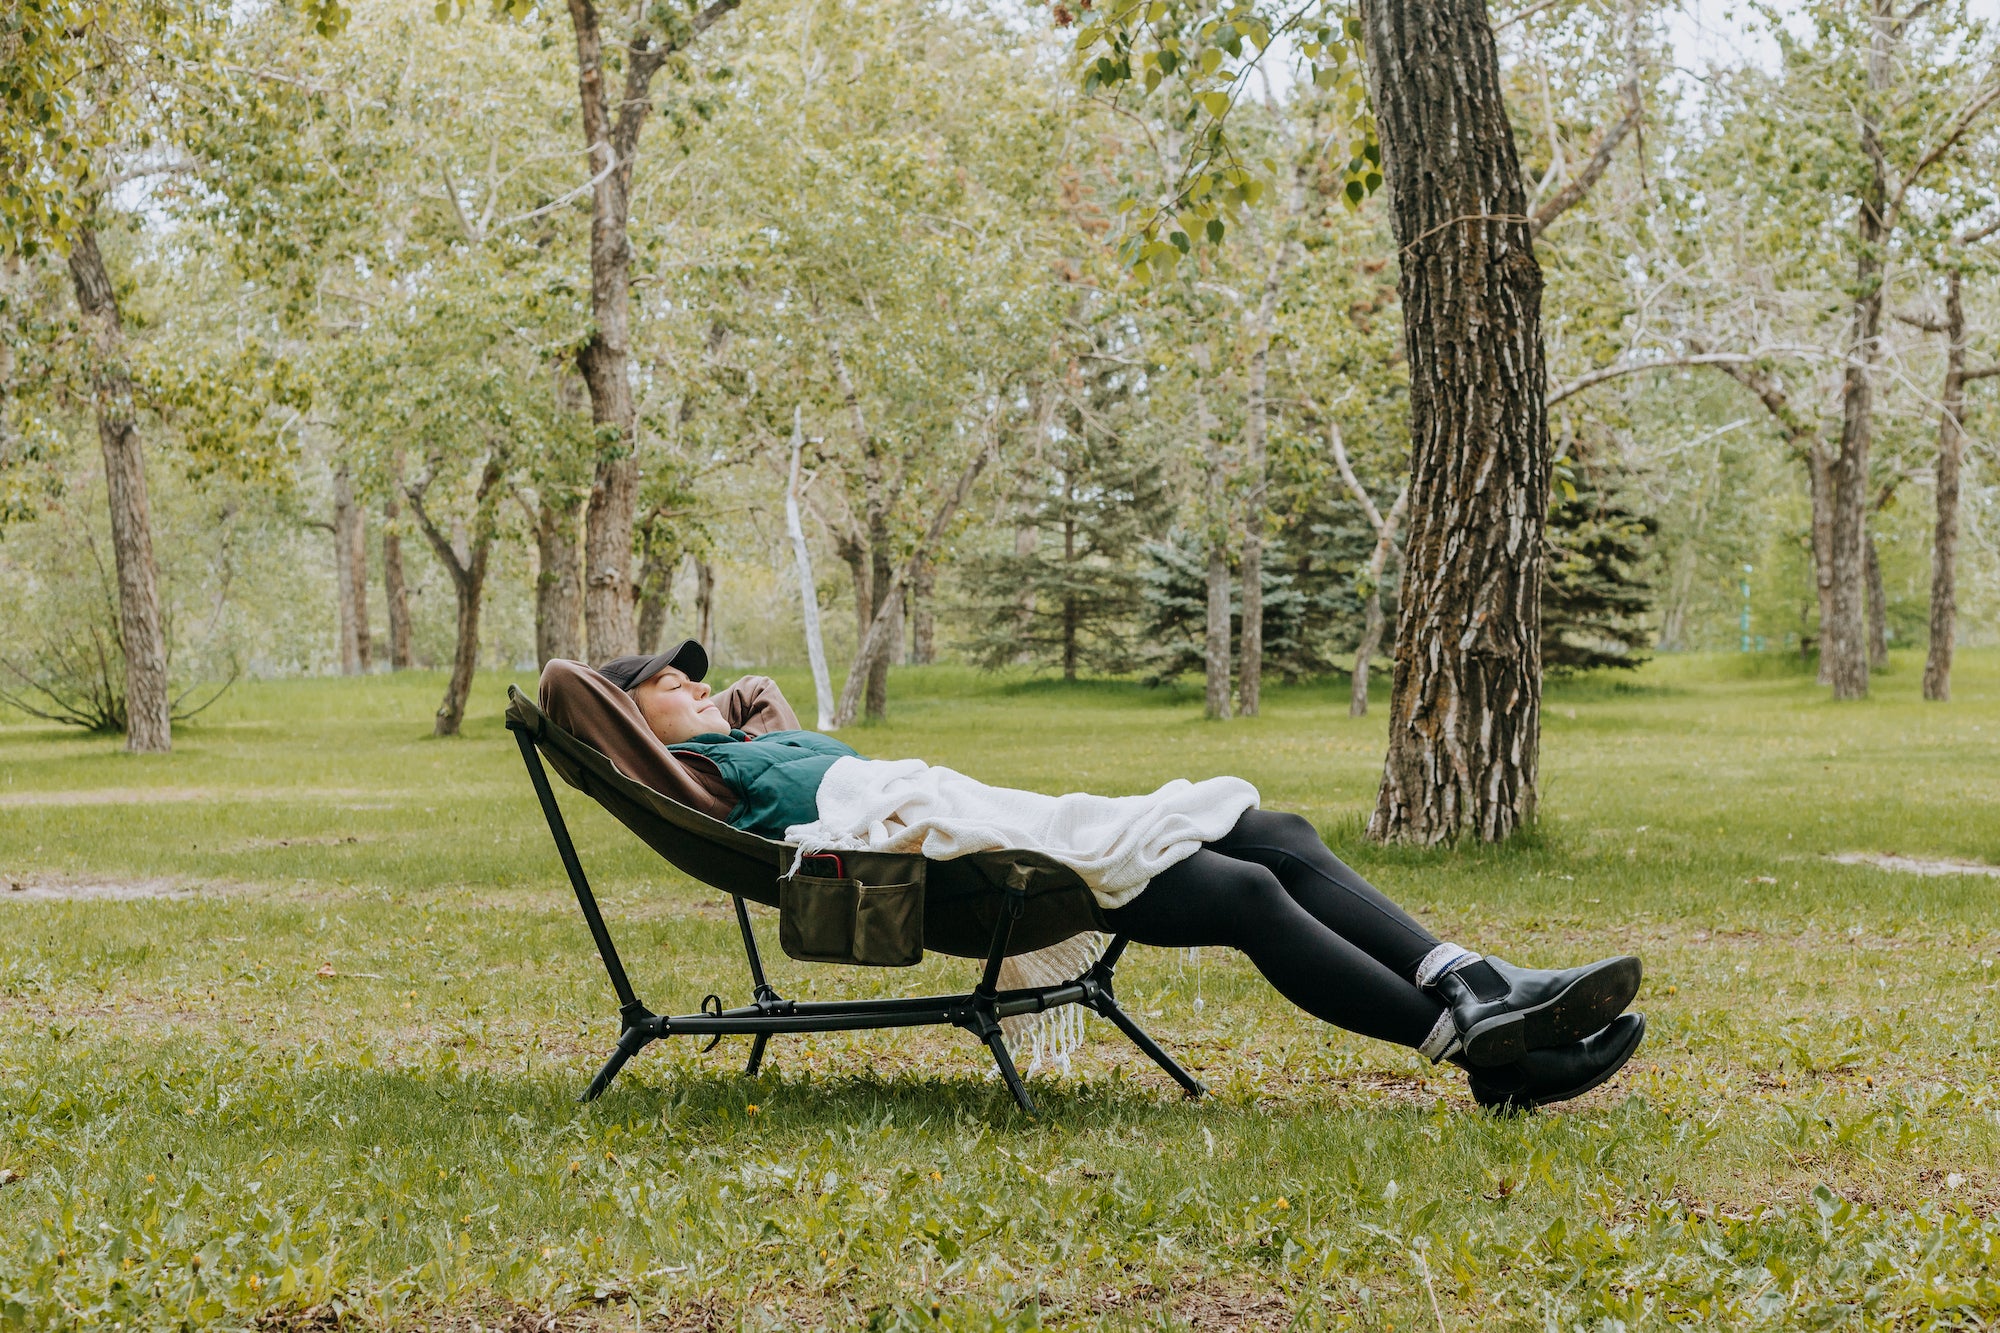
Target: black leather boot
(1559, 1073)
(1503, 1012)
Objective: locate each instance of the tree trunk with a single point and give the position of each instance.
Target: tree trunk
(824, 704)
(350, 567)
(1878, 611)
(876, 639)
(879, 594)
(467, 569)
(1844, 643)
(558, 579)
(1069, 608)
(704, 604)
(1215, 643)
(1250, 659)
(656, 599)
(1944, 538)
(1465, 719)
(613, 143)
(923, 626)
(394, 589)
(141, 627)
(1371, 628)
(1820, 473)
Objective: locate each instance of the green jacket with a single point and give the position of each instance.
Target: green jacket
(775, 776)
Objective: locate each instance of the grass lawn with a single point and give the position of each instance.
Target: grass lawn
(331, 1083)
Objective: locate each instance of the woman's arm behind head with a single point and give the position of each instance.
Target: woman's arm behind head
(756, 705)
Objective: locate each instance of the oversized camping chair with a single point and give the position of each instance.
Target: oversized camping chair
(875, 909)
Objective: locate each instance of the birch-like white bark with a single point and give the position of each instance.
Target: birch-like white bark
(823, 699)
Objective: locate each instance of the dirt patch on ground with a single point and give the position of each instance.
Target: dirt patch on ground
(1915, 865)
(39, 888)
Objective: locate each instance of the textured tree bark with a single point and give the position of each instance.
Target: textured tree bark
(1944, 535)
(1843, 640)
(558, 580)
(141, 628)
(1069, 608)
(1465, 713)
(395, 589)
(467, 569)
(1878, 610)
(613, 143)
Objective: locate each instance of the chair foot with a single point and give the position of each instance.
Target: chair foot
(756, 1054)
(1189, 1084)
(629, 1045)
(998, 1045)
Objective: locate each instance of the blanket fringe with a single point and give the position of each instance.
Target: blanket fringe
(1051, 1037)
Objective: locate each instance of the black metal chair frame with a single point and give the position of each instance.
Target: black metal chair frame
(978, 1011)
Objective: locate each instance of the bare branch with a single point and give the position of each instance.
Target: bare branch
(1622, 368)
(1960, 125)
(1361, 497)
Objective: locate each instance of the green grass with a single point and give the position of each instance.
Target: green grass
(199, 1128)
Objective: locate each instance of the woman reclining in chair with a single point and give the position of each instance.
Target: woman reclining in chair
(1211, 869)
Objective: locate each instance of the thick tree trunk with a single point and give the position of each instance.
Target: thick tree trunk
(394, 589)
(923, 623)
(1465, 714)
(1878, 610)
(1944, 537)
(141, 627)
(558, 580)
(613, 143)
(1844, 642)
(469, 592)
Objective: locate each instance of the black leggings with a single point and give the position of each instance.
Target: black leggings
(1325, 937)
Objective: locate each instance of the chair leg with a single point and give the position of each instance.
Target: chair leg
(998, 1045)
(1109, 1008)
(756, 1054)
(629, 1045)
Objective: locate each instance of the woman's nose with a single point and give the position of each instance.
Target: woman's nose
(701, 690)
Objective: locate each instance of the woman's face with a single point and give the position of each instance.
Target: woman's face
(678, 709)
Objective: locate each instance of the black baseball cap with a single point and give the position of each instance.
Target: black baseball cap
(629, 673)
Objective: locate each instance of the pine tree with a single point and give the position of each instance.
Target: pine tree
(1595, 596)
(1071, 599)
(1175, 590)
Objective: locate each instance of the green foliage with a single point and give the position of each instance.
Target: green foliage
(1175, 588)
(1205, 53)
(1596, 596)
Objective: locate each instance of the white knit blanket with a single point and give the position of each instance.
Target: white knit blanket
(1116, 844)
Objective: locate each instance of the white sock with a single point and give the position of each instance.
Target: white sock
(1444, 958)
(1442, 1041)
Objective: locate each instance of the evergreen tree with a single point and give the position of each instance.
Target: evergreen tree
(1595, 596)
(1174, 585)
(1069, 597)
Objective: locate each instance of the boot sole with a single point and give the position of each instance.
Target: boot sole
(1517, 1102)
(1586, 1005)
